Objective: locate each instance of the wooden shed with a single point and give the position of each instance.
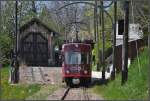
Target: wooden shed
(134, 47)
(35, 43)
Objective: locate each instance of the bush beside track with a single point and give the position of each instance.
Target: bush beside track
(135, 88)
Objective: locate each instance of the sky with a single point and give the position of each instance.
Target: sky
(48, 3)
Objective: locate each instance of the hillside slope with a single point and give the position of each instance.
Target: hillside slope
(135, 88)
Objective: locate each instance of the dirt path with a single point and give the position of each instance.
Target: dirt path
(52, 76)
(74, 94)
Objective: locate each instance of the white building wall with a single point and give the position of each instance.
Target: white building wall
(135, 32)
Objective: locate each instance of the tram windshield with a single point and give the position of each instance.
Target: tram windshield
(77, 58)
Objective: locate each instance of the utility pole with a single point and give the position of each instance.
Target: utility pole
(16, 26)
(65, 33)
(0, 52)
(149, 42)
(103, 41)
(15, 64)
(97, 36)
(77, 39)
(125, 44)
(114, 41)
(33, 7)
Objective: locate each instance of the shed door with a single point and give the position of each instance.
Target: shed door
(35, 49)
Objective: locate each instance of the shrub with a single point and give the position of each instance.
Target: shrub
(5, 47)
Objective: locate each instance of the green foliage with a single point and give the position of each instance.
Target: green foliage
(58, 41)
(135, 88)
(15, 92)
(27, 18)
(5, 47)
(6, 31)
(107, 46)
(48, 18)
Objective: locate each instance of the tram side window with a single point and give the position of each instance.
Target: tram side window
(85, 58)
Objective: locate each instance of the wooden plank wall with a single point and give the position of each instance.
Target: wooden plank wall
(131, 54)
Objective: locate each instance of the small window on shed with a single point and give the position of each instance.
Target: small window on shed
(120, 27)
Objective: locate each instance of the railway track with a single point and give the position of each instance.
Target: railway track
(85, 94)
(65, 93)
(81, 90)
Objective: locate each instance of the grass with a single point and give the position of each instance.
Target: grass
(15, 92)
(21, 92)
(43, 93)
(135, 88)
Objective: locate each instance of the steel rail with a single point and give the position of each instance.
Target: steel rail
(86, 97)
(65, 93)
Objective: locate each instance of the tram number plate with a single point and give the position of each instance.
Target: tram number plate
(75, 81)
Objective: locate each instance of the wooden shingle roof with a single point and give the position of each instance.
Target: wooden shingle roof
(35, 20)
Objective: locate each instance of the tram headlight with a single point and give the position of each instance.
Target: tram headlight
(67, 71)
(85, 71)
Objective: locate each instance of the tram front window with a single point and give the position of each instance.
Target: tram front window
(76, 58)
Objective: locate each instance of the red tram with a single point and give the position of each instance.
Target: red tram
(76, 64)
